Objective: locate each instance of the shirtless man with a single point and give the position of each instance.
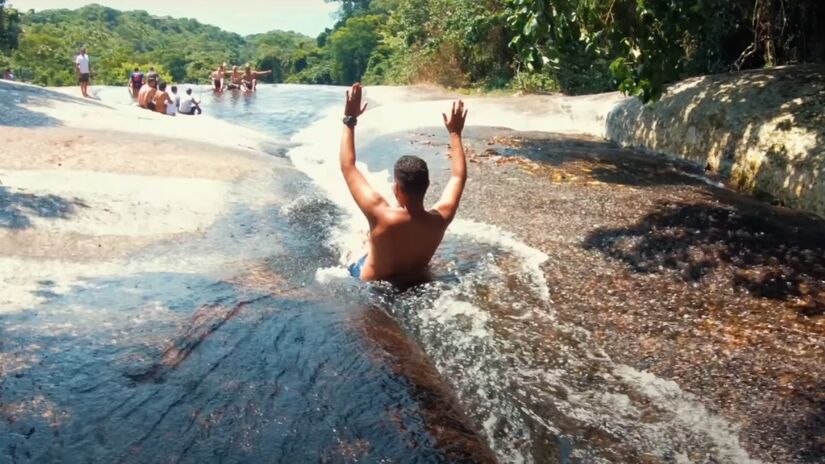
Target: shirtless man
(402, 239)
(217, 78)
(234, 79)
(162, 99)
(250, 78)
(146, 96)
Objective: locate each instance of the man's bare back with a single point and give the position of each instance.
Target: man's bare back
(404, 238)
(402, 244)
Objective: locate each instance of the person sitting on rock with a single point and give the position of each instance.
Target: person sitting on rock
(162, 99)
(146, 96)
(188, 105)
(250, 78)
(234, 79)
(172, 109)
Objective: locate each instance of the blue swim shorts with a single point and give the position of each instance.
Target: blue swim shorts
(356, 267)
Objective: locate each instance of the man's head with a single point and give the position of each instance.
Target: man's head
(83, 51)
(151, 68)
(412, 178)
(235, 68)
(137, 69)
(188, 91)
(162, 86)
(174, 89)
(152, 83)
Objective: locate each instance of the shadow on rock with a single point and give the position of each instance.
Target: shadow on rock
(15, 98)
(813, 424)
(779, 257)
(16, 208)
(570, 157)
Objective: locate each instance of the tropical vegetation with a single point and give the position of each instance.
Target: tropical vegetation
(574, 46)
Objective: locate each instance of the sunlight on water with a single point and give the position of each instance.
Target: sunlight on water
(245, 340)
(490, 328)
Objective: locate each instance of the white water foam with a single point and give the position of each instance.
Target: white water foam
(494, 375)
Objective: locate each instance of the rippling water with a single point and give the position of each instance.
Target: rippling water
(292, 361)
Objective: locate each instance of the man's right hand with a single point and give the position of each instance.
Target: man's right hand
(353, 106)
(455, 124)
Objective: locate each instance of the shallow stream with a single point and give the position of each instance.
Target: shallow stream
(290, 360)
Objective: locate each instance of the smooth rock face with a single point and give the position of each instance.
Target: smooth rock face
(765, 130)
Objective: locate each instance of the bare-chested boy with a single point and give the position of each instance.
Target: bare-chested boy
(402, 238)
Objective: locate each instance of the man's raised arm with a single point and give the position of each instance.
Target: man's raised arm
(365, 196)
(448, 204)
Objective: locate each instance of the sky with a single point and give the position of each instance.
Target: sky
(242, 16)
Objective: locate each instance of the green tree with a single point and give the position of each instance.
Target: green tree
(350, 8)
(647, 43)
(577, 46)
(351, 47)
(9, 28)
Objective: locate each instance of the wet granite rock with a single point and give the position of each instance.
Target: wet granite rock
(764, 130)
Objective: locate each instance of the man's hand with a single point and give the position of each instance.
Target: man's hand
(353, 106)
(367, 199)
(447, 206)
(455, 124)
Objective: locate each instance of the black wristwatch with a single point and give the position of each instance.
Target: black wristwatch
(350, 121)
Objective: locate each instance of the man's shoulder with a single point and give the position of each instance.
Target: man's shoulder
(391, 216)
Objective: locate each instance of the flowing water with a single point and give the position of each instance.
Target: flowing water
(290, 360)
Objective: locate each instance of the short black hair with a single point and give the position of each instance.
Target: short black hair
(174, 88)
(162, 85)
(412, 175)
(137, 69)
(151, 68)
(188, 91)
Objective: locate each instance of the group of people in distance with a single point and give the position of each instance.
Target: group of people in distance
(152, 95)
(246, 81)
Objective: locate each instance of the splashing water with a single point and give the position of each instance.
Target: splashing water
(539, 388)
(246, 375)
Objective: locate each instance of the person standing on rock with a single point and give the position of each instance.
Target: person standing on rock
(152, 74)
(135, 82)
(83, 68)
(404, 238)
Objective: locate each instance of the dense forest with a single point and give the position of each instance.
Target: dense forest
(574, 46)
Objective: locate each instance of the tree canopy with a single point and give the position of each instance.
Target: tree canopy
(9, 28)
(182, 50)
(574, 46)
